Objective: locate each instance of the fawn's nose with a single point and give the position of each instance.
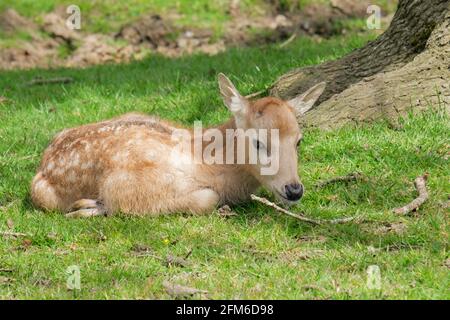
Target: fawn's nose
(294, 191)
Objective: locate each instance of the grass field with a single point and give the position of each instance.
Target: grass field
(256, 254)
(107, 16)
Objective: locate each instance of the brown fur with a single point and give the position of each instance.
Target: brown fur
(125, 164)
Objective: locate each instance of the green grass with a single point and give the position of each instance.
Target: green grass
(109, 15)
(106, 16)
(256, 254)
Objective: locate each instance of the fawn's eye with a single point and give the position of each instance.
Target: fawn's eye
(258, 144)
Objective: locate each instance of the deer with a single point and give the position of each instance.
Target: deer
(132, 164)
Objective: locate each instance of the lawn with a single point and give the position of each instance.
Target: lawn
(255, 254)
(107, 16)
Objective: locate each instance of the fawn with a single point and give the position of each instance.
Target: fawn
(132, 163)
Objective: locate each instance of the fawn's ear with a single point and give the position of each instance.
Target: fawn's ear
(236, 103)
(305, 101)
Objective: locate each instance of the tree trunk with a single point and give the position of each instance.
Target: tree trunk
(406, 68)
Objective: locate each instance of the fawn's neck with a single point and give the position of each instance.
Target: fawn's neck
(233, 182)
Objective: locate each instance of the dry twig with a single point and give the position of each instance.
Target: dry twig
(289, 40)
(301, 217)
(256, 94)
(41, 81)
(13, 234)
(349, 177)
(420, 184)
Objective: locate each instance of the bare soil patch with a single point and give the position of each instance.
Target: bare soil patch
(53, 44)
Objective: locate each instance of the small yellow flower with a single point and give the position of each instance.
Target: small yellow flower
(166, 241)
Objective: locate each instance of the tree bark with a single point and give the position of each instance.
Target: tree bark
(406, 68)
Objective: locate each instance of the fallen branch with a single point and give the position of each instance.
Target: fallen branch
(301, 217)
(289, 40)
(420, 184)
(41, 81)
(349, 177)
(256, 94)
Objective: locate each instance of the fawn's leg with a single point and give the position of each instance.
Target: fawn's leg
(133, 193)
(86, 208)
(202, 201)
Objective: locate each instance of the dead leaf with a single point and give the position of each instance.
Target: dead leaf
(6, 280)
(176, 261)
(336, 285)
(394, 227)
(26, 243)
(447, 263)
(313, 239)
(10, 224)
(176, 290)
(3, 100)
(52, 235)
(297, 254)
(141, 248)
(61, 252)
(310, 287)
(43, 282)
(101, 237)
(226, 211)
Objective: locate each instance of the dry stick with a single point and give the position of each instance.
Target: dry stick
(420, 184)
(349, 177)
(300, 217)
(289, 40)
(256, 94)
(13, 234)
(40, 81)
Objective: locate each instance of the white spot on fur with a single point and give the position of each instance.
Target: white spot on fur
(58, 171)
(50, 166)
(121, 156)
(86, 165)
(180, 161)
(151, 155)
(75, 160)
(72, 177)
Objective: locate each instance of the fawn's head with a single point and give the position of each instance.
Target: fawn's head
(281, 141)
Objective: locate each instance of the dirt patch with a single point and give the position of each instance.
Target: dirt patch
(151, 30)
(160, 35)
(38, 53)
(57, 45)
(11, 21)
(97, 49)
(351, 8)
(55, 26)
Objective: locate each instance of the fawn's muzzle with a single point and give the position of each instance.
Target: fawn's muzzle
(294, 191)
